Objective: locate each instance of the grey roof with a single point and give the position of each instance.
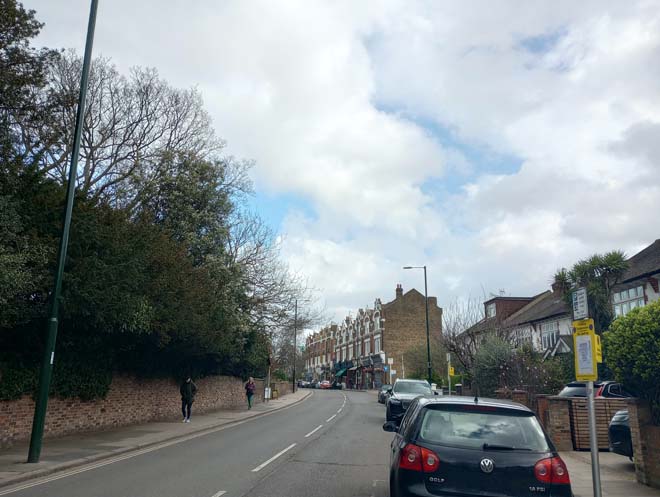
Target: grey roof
(644, 263)
(548, 304)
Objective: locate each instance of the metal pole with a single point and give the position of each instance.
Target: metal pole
(593, 440)
(448, 371)
(295, 332)
(428, 335)
(49, 353)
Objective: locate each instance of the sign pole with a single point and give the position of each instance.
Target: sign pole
(449, 373)
(593, 440)
(588, 353)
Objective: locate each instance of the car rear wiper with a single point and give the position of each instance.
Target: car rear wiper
(488, 446)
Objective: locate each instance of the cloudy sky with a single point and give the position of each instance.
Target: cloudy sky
(492, 141)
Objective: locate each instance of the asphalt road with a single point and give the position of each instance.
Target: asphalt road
(330, 445)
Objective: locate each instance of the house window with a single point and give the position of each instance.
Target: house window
(549, 334)
(377, 344)
(490, 310)
(627, 300)
(367, 347)
(359, 349)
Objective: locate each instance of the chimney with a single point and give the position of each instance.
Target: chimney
(556, 288)
(399, 291)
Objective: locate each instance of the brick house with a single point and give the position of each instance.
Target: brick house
(639, 284)
(362, 344)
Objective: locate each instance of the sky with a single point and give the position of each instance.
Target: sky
(493, 142)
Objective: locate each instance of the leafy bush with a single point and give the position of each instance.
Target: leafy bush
(497, 365)
(633, 353)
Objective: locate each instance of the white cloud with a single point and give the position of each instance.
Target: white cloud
(568, 89)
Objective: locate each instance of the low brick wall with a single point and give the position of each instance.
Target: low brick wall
(646, 443)
(129, 401)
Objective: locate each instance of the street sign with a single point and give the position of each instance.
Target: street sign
(386, 368)
(267, 394)
(599, 350)
(394, 371)
(448, 356)
(451, 370)
(585, 349)
(580, 305)
(390, 361)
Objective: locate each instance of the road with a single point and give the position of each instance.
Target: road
(330, 445)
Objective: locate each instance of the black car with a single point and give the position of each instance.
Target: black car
(462, 447)
(609, 389)
(619, 435)
(402, 394)
(382, 393)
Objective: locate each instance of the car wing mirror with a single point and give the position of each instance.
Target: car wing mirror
(390, 426)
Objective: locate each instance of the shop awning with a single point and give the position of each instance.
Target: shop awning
(341, 372)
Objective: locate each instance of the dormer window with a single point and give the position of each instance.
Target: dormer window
(490, 310)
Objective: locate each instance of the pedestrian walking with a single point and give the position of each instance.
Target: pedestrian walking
(249, 391)
(188, 390)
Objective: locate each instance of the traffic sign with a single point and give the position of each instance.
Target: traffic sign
(585, 350)
(386, 368)
(451, 370)
(580, 304)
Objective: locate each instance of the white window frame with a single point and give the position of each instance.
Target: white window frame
(549, 334)
(628, 299)
(367, 347)
(377, 345)
(491, 310)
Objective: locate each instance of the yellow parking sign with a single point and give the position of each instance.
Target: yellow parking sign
(586, 350)
(451, 370)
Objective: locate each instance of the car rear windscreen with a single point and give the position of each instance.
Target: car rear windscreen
(412, 387)
(474, 426)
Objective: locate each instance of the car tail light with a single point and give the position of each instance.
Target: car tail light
(552, 470)
(418, 458)
(599, 392)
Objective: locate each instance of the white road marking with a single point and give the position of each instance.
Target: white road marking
(331, 418)
(314, 431)
(143, 451)
(266, 463)
(218, 494)
(339, 410)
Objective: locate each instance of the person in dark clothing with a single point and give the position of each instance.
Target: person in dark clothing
(188, 390)
(250, 387)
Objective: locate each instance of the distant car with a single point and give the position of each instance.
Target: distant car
(382, 393)
(402, 394)
(456, 446)
(325, 384)
(619, 434)
(608, 389)
(336, 385)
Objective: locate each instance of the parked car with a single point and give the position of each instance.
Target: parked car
(336, 385)
(619, 434)
(402, 394)
(325, 385)
(382, 393)
(314, 384)
(456, 446)
(609, 389)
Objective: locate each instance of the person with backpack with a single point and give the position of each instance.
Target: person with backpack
(188, 390)
(250, 387)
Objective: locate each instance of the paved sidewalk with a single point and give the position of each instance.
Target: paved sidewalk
(59, 454)
(617, 476)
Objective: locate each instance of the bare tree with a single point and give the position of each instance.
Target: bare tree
(457, 337)
(130, 122)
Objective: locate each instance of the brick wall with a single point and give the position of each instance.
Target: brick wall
(559, 423)
(129, 401)
(646, 443)
(405, 325)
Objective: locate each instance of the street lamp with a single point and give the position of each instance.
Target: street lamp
(428, 335)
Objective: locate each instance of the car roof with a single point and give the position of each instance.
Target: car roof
(403, 380)
(470, 401)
